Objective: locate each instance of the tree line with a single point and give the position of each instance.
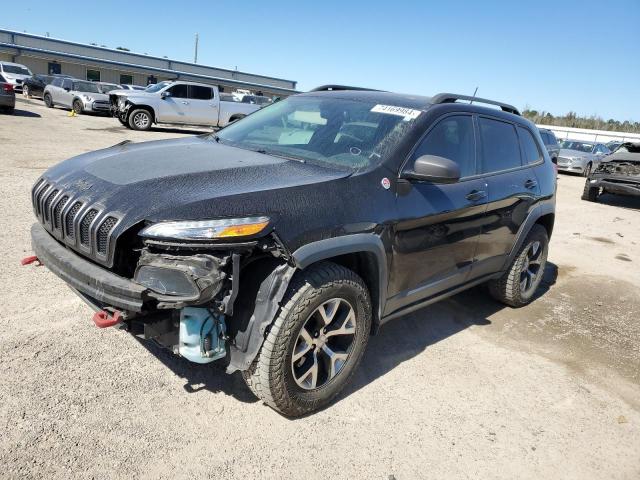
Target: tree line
(572, 119)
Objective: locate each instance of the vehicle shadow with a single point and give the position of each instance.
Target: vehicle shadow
(398, 341)
(404, 338)
(25, 113)
(622, 201)
(210, 377)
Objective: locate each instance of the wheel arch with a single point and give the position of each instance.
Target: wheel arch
(136, 106)
(364, 253)
(542, 214)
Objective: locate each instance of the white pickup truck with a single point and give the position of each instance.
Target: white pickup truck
(176, 102)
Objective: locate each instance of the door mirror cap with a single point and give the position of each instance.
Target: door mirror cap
(165, 94)
(432, 168)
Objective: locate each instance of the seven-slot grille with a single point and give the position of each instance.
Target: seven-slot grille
(83, 226)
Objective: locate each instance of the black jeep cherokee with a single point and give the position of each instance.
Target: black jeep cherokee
(281, 243)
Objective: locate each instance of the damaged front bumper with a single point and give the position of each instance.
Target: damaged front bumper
(161, 281)
(617, 184)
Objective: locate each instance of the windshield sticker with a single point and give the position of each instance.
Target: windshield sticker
(407, 113)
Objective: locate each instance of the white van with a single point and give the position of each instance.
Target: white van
(15, 74)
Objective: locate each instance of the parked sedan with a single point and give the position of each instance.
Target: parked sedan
(14, 73)
(550, 143)
(79, 95)
(578, 156)
(7, 96)
(34, 86)
(108, 87)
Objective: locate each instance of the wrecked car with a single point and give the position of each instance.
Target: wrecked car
(619, 174)
(278, 245)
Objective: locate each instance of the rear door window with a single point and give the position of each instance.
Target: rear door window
(500, 146)
(530, 149)
(451, 138)
(66, 83)
(198, 92)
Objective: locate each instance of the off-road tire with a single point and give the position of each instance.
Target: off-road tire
(136, 126)
(590, 194)
(269, 377)
(507, 289)
(47, 100)
(77, 107)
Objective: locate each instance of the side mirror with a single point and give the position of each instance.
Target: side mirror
(67, 89)
(165, 94)
(432, 168)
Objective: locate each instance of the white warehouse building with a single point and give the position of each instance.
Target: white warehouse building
(47, 55)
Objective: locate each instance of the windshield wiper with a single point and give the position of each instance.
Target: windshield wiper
(279, 154)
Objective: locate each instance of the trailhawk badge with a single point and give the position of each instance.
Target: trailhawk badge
(386, 183)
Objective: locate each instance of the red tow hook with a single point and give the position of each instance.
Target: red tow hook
(102, 319)
(30, 260)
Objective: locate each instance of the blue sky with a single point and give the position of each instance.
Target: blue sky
(550, 55)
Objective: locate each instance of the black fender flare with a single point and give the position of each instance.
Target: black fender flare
(540, 210)
(273, 288)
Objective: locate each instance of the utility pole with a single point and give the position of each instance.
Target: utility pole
(195, 57)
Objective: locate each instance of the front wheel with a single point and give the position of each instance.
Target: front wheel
(78, 108)
(140, 119)
(26, 91)
(590, 193)
(587, 170)
(48, 101)
(315, 343)
(517, 286)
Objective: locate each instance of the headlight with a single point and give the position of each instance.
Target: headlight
(207, 229)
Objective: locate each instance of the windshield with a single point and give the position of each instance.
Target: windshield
(15, 69)
(157, 87)
(106, 88)
(85, 87)
(580, 146)
(342, 133)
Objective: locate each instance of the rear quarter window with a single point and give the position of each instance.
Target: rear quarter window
(500, 146)
(530, 148)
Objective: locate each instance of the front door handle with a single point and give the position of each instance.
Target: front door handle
(530, 184)
(476, 195)
(185, 103)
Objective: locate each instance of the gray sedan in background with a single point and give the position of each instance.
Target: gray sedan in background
(578, 156)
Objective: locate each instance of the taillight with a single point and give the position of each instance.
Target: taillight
(7, 87)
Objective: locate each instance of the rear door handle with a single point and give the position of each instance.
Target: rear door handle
(530, 184)
(475, 195)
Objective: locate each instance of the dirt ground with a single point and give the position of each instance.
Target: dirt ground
(463, 389)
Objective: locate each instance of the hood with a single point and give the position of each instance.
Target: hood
(568, 152)
(133, 93)
(189, 178)
(95, 96)
(15, 76)
(633, 157)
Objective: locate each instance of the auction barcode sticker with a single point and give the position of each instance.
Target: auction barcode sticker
(407, 113)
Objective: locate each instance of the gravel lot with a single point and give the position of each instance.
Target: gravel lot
(464, 389)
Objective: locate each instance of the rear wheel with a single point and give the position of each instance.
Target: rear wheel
(519, 283)
(140, 119)
(78, 107)
(590, 193)
(47, 100)
(315, 343)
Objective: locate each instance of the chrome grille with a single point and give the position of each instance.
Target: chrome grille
(57, 212)
(103, 233)
(70, 218)
(47, 204)
(85, 225)
(82, 225)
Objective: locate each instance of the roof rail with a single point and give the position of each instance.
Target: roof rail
(452, 97)
(326, 88)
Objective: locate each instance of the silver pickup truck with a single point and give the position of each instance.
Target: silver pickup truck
(176, 102)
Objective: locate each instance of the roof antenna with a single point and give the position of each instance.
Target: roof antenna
(474, 95)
